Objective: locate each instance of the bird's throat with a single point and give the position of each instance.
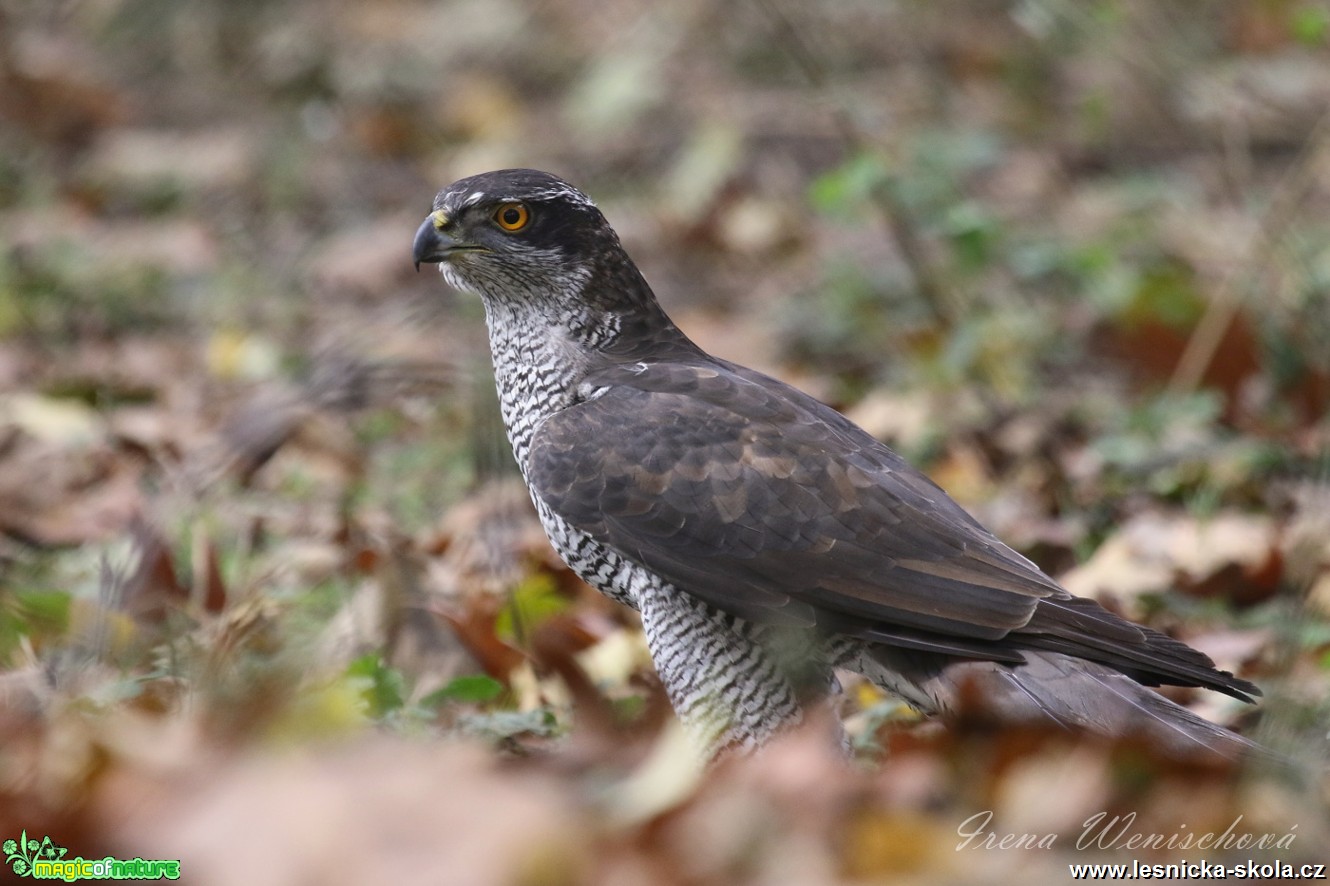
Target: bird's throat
(537, 368)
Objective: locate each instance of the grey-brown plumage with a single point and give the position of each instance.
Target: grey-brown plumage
(764, 537)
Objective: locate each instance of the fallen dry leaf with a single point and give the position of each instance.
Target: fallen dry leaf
(1233, 556)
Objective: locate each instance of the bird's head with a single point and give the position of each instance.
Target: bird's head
(518, 235)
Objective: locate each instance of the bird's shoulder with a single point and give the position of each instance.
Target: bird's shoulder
(720, 401)
(708, 420)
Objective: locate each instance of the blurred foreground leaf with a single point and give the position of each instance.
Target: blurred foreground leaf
(470, 688)
(385, 687)
(501, 725)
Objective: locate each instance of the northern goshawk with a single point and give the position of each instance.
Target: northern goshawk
(765, 538)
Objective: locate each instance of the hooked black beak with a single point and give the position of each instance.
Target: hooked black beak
(431, 244)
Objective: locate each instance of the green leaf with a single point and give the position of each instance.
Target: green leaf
(473, 688)
(851, 182)
(973, 234)
(45, 611)
(1311, 24)
(38, 615)
(385, 689)
(629, 709)
(532, 602)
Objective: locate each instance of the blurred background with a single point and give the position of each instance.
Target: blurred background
(271, 601)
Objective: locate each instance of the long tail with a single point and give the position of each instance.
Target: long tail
(1049, 686)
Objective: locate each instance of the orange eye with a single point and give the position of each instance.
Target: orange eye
(512, 216)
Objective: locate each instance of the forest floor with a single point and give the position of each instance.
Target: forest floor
(273, 601)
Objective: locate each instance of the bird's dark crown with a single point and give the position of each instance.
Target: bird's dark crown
(562, 218)
(507, 185)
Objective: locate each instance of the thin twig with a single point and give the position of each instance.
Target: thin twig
(937, 295)
(1205, 339)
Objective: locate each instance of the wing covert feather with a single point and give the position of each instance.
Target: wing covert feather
(756, 498)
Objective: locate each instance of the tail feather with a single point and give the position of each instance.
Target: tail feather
(1050, 686)
(1084, 695)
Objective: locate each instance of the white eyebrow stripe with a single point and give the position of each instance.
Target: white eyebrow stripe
(572, 195)
(553, 192)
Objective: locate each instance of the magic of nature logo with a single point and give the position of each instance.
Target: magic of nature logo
(45, 859)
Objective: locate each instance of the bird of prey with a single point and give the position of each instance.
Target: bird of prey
(766, 539)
